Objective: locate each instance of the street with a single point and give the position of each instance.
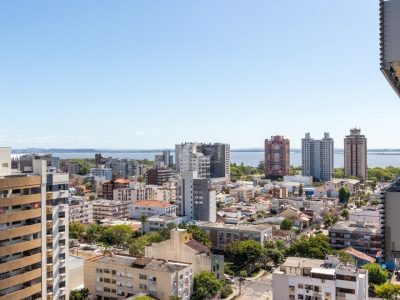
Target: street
(260, 288)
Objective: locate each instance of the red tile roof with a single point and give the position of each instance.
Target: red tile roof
(359, 254)
(199, 247)
(153, 203)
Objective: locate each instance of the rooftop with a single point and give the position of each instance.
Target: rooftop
(141, 263)
(153, 203)
(245, 227)
(199, 247)
(356, 227)
(359, 254)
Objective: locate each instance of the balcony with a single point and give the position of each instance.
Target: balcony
(50, 296)
(49, 252)
(50, 281)
(49, 210)
(49, 224)
(49, 267)
(49, 238)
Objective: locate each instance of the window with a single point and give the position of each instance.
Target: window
(143, 276)
(300, 297)
(301, 286)
(143, 287)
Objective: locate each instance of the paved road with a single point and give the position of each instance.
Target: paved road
(256, 289)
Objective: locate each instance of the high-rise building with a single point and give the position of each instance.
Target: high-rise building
(33, 232)
(277, 156)
(355, 154)
(220, 159)
(188, 157)
(195, 198)
(390, 222)
(317, 157)
(389, 16)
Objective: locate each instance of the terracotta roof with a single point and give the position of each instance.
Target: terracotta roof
(199, 247)
(122, 180)
(359, 254)
(153, 203)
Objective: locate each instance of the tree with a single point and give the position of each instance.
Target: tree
(300, 190)
(143, 220)
(345, 257)
(206, 285)
(94, 232)
(117, 235)
(260, 167)
(275, 255)
(286, 224)
(330, 219)
(145, 297)
(376, 275)
(77, 230)
(345, 213)
(311, 247)
(199, 235)
(81, 294)
(138, 245)
(226, 291)
(344, 194)
(244, 253)
(387, 291)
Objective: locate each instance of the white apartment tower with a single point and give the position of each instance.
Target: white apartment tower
(195, 198)
(317, 157)
(355, 154)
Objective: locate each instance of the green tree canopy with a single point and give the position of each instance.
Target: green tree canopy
(244, 252)
(345, 213)
(376, 274)
(344, 194)
(199, 235)
(81, 294)
(117, 235)
(206, 285)
(77, 230)
(311, 247)
(387, 291)
(286, 224)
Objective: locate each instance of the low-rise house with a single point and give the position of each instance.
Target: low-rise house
(284, 235)
(279, 192)
(362, 236)
(298, 218)
(304, 180)
(182, 247)
(359, 257)
(158, 223)
(119, 277)
(242, 193)
(223, 234)
(226, 199)
(309, 279)
(336, 183)
(151, 208)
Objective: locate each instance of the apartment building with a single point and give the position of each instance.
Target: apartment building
(195, 198)
(220, 159)
(108, 187)
(355, 154)
(182, 247)
(223, 234)
(73, 168)
(159, 176)
(390, 222)
(151, 208)
(119, 277)
(362, 236)
(81, 211)
(103, 208)
(310, 279)
(33, 232)
(317, 157)
(158, 223)
(389, 16)
(277, 156)
(138, 193)
(101, 171)
(242, 193)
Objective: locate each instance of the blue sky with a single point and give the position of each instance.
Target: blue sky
(149, 74)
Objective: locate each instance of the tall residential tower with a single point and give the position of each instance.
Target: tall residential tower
(355, 154)
(277, 156)
(317, 157)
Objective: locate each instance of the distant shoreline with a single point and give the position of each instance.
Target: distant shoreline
(64, 150)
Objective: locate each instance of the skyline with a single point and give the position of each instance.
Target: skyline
(136, 75)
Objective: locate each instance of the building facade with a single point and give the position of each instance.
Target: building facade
(389, 21)
(33, 233)
(355, 154)
(119, 277)
(317, 157)
(159, 176)
(277, 156)
(151, 208)
(110, 209)
(310, 279)
(195, 198)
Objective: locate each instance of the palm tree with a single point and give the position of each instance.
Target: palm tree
(143, 219)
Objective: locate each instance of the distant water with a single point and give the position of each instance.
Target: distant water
(247, 158)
